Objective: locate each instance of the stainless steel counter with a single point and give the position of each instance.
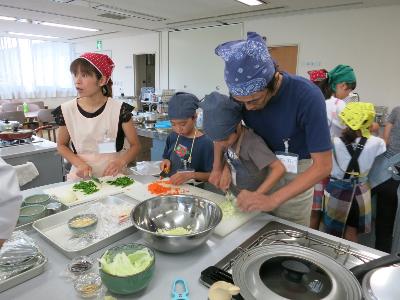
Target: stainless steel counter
(152, 133)
(38, 145)
(43, 154)
(51, 284)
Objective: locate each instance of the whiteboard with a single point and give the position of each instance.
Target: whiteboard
(193, 65)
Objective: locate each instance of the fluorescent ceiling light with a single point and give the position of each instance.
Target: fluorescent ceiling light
(33, 35)
(251, 2)
(67, 26)
(7, 18)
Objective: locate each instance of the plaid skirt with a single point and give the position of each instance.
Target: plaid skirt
(319, 191)
(338, 199)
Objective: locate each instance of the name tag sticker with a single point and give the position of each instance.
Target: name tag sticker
(289, 160)
(106, 147)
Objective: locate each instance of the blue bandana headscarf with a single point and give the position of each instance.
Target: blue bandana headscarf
(221, 116)
(248, 65)
(182, 106)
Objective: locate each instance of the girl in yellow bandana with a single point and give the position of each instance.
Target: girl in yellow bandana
(347, 203)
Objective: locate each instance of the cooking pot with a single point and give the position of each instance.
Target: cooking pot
(8, 125)
(20, 134)
(138, 119)
(295, 272)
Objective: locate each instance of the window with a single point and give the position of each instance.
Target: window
(34, 69)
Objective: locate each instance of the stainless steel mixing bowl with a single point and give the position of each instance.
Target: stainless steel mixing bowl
(199, 215)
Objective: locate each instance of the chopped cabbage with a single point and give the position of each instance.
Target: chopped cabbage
(126, 265)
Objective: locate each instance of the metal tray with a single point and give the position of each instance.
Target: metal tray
(59, 221)
(24, 276)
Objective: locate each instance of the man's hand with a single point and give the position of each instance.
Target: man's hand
(181, 177)
(253, 201)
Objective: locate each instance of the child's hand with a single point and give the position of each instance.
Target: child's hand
(165, 165)
(215, 177)
(226, 178)
(181, 177)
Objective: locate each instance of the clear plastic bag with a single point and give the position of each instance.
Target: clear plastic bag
(112, 218)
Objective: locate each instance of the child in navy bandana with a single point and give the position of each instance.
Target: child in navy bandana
(188, 153)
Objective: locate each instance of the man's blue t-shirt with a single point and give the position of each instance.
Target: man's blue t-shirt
(202, 153)
(297, 112)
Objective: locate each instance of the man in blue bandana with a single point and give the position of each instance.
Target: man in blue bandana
(289, 113)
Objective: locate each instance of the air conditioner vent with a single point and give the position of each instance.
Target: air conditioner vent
(113, 16)
(127, 13)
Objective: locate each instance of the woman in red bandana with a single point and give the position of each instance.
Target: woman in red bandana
(96, 134)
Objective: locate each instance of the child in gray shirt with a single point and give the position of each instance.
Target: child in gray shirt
(250, 163)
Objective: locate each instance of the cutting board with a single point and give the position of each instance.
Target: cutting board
(228, 224)
(59, 193)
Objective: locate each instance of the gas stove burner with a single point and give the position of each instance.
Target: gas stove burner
(275, 233)
(16, 142)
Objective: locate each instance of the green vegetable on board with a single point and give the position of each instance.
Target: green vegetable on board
(86, 187)
(121, 181)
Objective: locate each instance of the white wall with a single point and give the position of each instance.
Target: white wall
(193, 65)
(366, 39)
(122, 50)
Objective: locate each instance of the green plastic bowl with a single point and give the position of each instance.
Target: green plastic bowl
(81, 230)
(37, 199)
(31, 213)
(132, 283)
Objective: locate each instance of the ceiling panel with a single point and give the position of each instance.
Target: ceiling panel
(139, 17)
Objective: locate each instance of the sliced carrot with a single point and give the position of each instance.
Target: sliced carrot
(160, 187)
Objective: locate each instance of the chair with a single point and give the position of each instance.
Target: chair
(46, 118)
(13, 116)
(38, 103)
(33, 107)
(6, 107)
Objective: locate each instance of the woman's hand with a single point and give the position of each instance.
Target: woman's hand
(181, 177)
(253, 201)
(114, 167)
(83, 170)
(165, 165)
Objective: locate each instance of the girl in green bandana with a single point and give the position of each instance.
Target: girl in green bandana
(336, 85)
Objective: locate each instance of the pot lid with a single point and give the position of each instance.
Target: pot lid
(292, 272)
(382, 283)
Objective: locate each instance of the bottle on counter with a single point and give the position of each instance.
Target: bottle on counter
(25, 107)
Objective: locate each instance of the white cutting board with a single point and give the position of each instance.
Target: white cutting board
(105, 189)
(139, 192)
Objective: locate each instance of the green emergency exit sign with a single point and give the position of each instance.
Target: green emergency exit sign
(99, 45)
